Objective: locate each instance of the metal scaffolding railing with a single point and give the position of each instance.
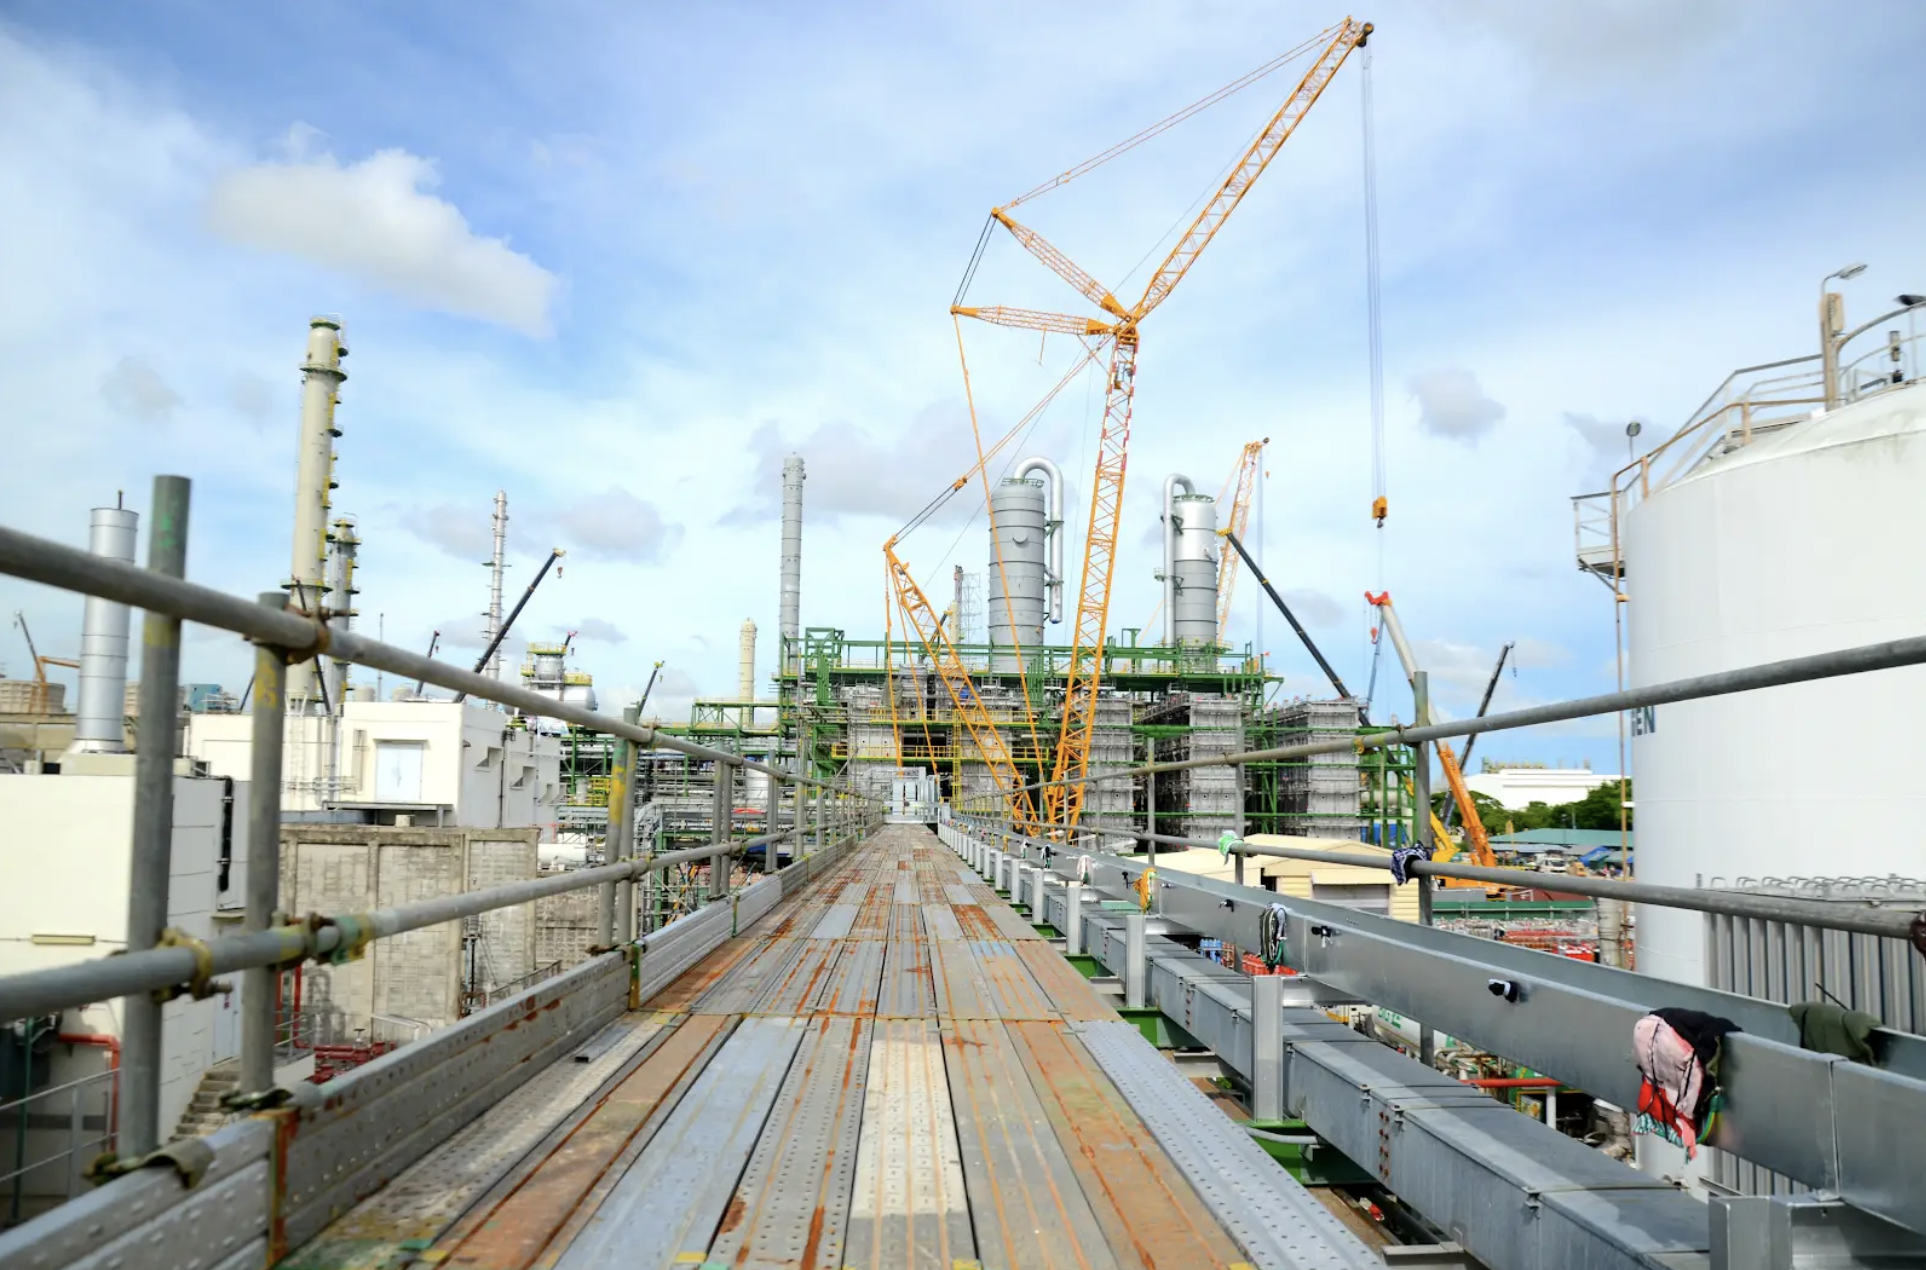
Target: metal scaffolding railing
(161, 962)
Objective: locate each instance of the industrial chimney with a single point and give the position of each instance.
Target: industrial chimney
(497, 563)
(100, 724)
(321, 377)
(746, 669)
(792, 485)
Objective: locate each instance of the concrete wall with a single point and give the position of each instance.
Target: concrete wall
(418, 975)
(566, 926)
(65, 856)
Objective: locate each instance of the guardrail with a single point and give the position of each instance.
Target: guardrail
(1838, 1126)
(160, 962)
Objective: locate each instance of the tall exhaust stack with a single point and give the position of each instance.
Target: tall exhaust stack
(341, 591)
(746, 662)
(792, 489)
(100, 723)
(498, 563)
(321, 377)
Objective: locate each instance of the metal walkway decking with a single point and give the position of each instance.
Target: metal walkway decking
(889, 1069)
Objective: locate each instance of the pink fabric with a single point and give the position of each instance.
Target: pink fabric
(1673, 1081)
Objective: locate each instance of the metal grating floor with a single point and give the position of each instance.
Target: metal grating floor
(889, 1069)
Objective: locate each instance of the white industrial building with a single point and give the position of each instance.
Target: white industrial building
(426, 763)
(1516, 788)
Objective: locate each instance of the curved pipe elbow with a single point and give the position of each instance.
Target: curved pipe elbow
(1171, 485)
(1054, 520)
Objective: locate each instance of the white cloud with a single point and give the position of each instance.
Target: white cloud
(616, 525)
(135, 388)
(463, 532)
(378, 222)
(1451, 403)
(597, 629)
(848, 471)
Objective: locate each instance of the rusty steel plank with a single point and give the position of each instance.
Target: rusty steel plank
(908, 1206)
(1010, 924)
(908, 991)
(1030, 1211)
(745, 985)
(531, 1219)
(962, 991)
(855, 985)
(836, 921)
(791, 1209)
(433, 1193)
(1142, 1201)
(1068, 992)
(792, 991)
(873, 921)
(1013, 991)
(940, 922)
(975, 921)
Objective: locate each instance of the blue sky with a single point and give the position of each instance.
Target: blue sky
(618, 259)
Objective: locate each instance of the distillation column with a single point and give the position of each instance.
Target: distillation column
(1026, 562)
(1190, 572)
(321, 378)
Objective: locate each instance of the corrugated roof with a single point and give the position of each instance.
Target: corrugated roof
(1586, 838)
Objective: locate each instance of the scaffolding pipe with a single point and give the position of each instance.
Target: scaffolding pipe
(137, 974)
(151, 866)
(58, 565)
(263, 894)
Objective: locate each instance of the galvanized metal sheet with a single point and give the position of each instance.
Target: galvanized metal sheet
(225, 1219)
(961, 990)
(380, 1119)
(962, 893)
(127, 1206)
(426, 1199)
(908, 1206)
(671, 1201)
(1030, 1209)
(1882, 1155)
(1276, 1221)
(539, 1207)
(1009, 924)
(792, 1207)
(745, 985)
(1065, 991)
(907, 989)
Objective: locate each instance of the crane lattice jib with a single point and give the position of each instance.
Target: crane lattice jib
(1033, 319)
(920, 615)
(1350, 35)
(1061, 265)
(1065, 798)
(1240, 516)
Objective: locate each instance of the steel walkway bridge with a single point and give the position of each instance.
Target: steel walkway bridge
(867, 1058)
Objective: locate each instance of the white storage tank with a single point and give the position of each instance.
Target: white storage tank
(1805, 541)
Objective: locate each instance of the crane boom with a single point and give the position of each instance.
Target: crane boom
(921, 616)
(1033, 319)
(1248, 464)
(1350, 35)
(1061, 265)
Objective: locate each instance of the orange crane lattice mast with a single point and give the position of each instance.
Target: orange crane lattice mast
(1063, 798)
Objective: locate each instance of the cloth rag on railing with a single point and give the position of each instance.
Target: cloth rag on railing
(1401, 862)
(1678, 1053)
(1833, 1029)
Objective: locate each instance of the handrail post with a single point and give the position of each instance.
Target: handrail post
(620, 839)
(721, 829)
(1135, 963)
(269, 711)
(153, 837)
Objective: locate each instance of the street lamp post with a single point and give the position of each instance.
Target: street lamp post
(1832, 321)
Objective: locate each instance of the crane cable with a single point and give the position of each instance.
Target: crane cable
(1379, 506)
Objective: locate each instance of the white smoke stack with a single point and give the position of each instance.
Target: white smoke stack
(321, 377)
(792, 488)
(100, 723)
(746, 667)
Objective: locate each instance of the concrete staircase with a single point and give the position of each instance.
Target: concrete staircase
(205, 1114)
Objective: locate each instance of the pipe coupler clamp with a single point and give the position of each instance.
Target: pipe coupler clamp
(203, 985)
(351, 945)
